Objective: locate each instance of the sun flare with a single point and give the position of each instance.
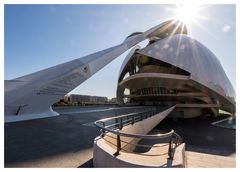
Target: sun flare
(187, 13)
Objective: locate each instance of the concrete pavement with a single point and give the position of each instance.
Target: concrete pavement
(206, 145)
(61, 141)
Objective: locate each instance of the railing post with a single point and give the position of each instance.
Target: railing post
(102, 130)
(121, 124)
(118, 146)
(170, 149)
(132, 119)
(176, 141)
(116, 122)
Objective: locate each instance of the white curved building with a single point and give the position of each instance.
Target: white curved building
(175, 69)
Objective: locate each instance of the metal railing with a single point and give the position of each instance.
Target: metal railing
(115, 124)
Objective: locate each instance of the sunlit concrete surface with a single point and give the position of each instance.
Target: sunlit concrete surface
(105, 147)
(61, 141)
(209, 160)
(155, 157)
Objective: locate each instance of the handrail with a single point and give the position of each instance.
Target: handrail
(174, 138)
(143, 136)
(121, 116)
(137, 144)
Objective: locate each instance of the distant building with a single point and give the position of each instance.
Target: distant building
(98, 99)
(113, 100)
(85, 99)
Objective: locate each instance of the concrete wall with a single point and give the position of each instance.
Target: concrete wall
(142, 127)
(103, 158)
(179, 156)
(104, 148)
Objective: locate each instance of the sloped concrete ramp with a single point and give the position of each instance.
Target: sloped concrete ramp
(104, 154)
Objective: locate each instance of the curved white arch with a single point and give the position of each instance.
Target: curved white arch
(31, 96)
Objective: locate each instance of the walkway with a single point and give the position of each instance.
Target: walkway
(207, 160)
(60, 141)
(206, 145)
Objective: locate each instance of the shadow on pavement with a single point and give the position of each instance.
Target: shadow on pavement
(200, 136)
(87, 164)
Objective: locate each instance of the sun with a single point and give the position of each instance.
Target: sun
(187, 13)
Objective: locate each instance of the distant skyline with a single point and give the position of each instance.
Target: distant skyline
(41, 36)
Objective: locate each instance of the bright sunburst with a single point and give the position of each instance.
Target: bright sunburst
(187, 13)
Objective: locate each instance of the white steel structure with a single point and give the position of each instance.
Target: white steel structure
(31, 96)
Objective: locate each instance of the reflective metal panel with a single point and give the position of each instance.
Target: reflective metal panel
(192, 56)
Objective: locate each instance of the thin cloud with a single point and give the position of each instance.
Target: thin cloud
(226, 28)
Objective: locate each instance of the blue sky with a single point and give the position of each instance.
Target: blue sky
(41, 36)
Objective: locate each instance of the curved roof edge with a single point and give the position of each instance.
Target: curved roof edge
(203, 65)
